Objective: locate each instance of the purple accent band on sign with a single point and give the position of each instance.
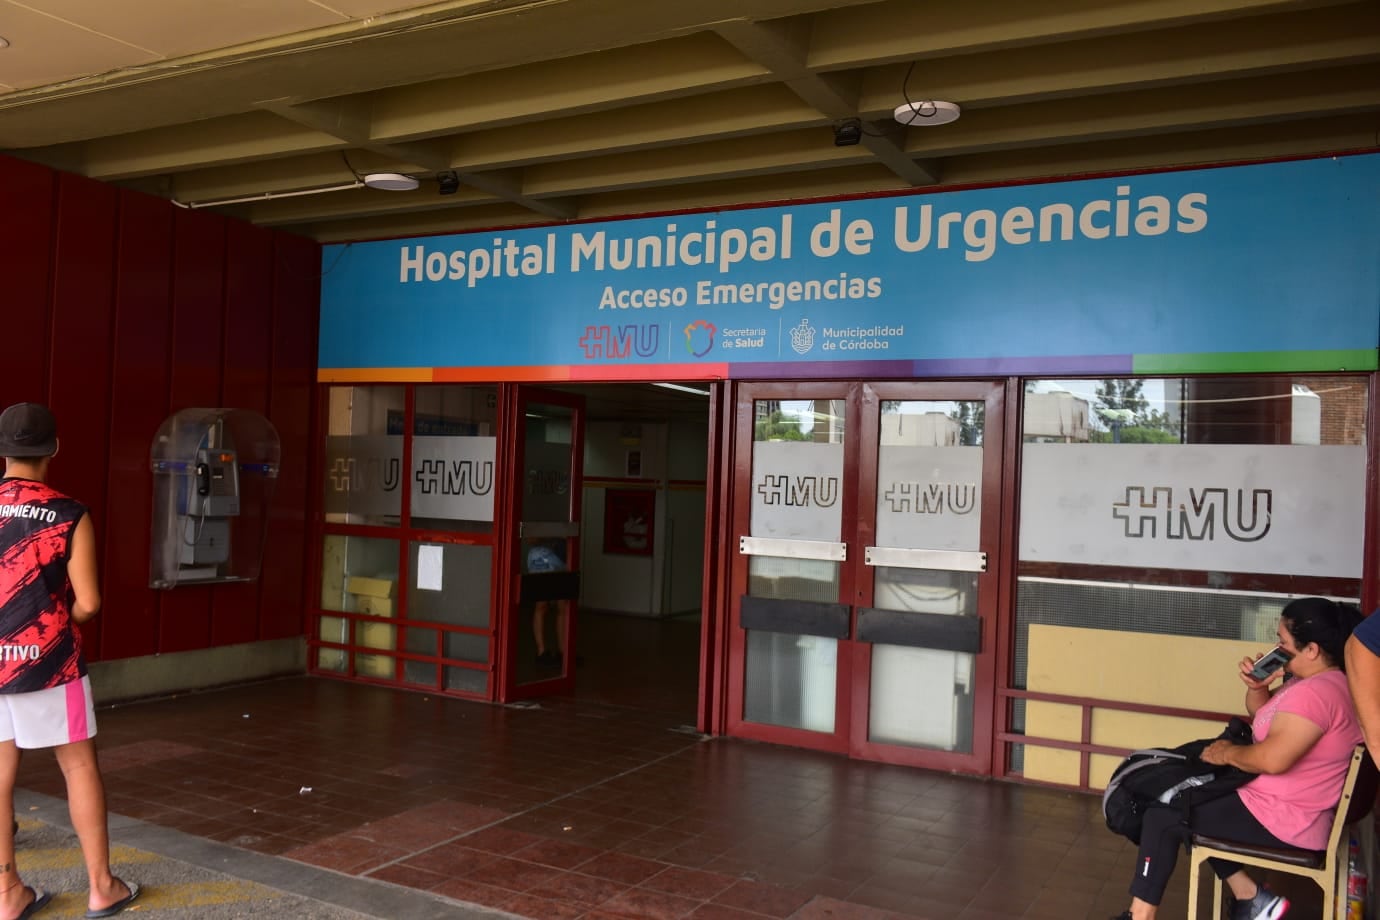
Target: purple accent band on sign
(1118, 365)
(1025, 367)
(834, 370)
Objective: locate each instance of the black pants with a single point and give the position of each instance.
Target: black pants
(1163, 832)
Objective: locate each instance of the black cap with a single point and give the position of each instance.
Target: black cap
(27, 430)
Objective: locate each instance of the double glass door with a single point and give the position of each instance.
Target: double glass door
(864, 579)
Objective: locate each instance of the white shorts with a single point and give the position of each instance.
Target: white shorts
(47, 718)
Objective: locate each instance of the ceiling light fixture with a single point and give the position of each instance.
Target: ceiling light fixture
(266, 196)
(927, 113)
(390, 182)
(683, 389)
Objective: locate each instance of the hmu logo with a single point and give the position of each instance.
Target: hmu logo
(455, 477)
(603, 342)
(932, 497)
(347, 475)
(1198, 518)
(796, 491)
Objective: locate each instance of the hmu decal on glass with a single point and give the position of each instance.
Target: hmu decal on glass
(346, 475)
(932, 497)
(1199, 518)
(455, 477)
(820, 491)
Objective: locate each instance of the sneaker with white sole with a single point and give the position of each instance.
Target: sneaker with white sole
(1266, 905)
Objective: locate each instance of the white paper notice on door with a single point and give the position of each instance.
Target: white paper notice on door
(429, 559)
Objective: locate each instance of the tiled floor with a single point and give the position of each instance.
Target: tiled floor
(583, 808)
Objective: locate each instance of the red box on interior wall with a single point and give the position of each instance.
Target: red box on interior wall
(629, 515)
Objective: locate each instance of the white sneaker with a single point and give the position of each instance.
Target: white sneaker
(1266, 905)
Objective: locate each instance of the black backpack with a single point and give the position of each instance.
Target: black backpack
(1170, 776)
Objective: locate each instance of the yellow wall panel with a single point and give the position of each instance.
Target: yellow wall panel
(1158, 670)
(375, 666)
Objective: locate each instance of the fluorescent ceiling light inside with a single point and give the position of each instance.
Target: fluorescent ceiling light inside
(683, 389)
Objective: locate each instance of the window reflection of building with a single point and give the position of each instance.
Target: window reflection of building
(1056, 416)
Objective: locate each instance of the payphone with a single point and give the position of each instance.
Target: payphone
(216, 486)
(213, 473)
(212, 495)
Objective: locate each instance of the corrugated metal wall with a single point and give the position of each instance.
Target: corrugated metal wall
(119, 309)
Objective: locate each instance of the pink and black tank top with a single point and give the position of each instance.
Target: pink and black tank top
(40, 647)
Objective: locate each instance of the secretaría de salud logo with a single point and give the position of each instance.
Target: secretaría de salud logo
(699, 337)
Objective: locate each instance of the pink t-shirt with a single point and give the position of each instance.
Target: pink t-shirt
(1297, 805)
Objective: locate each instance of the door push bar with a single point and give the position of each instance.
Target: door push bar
(540, 529)
(950, 560)
(793, 549)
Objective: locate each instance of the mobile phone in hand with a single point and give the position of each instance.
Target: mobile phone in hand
(1269, 663)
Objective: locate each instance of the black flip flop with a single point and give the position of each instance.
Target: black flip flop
(119, 905)
(40, 901)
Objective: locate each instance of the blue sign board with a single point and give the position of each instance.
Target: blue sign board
(1083, 276)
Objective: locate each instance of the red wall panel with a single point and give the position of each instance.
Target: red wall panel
(247, 361)
(198, 310)
(26, 253)
(295, 311)
(138, 406)
(79, 360)
(124, 309)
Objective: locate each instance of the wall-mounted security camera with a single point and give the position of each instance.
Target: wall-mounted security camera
(447, 183)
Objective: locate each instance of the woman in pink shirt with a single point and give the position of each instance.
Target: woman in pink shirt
(1304, 733)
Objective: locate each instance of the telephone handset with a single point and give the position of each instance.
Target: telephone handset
(217, 484)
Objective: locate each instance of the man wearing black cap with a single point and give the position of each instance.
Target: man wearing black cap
(48, 586)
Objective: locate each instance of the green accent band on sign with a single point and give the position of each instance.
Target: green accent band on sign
(1258, 362)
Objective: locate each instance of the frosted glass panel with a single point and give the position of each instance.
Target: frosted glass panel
(449, 583)
(922, 697)
(797, 469)
(466, 680)
(791, 680)
(929, 496)
(797, 494)
(363, 465)
(793, 579)
(926, 591)
(929, 474)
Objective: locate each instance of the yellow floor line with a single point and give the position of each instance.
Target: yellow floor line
(197, 894)
(168, 897)
(70, 857)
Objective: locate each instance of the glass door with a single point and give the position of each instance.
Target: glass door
(790, 583)
(928, 530)
(864, 580)
(540, 628)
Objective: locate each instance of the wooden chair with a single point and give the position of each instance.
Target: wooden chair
(1327, 868)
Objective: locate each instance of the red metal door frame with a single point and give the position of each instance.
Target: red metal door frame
(511, 619)
(710, 715)
(747, 395)
(863, 401)
(991, 394)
